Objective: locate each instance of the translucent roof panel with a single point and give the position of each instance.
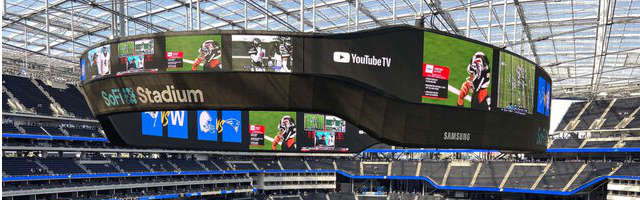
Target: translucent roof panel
(589, 47)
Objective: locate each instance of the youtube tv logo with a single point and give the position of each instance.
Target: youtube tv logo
(341, 57)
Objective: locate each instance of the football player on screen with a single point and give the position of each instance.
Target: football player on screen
(257, 53)
(287, 134)
(210, 54)
(477, 83)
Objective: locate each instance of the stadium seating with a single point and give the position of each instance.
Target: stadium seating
(62, 166)
(9, 128)
(21, 167)
(82, 132)
(69, 98)
(342, 196)
(566, 143)
(243, 166)
(404, 168)
(593, 112)
(620, 109)
(158, 165)
(5, 102)
(402, 196)
(375, 169)
(314, 196)
(320, 163)
(209, 165)
(292, 163)
(591, 171)
(572, 112)
(33, 129)
(222, 164)
(349, 166)
(27, 93)
(461, 175)
(491, 173)
(629, 169)
(53, 130)
(265, 163)
(130, 165)
(558, 175)
(100, 168)
(187, 165)
(632, 143)
(523, 176)
(635, 123)
(600, 144)
(434, 170)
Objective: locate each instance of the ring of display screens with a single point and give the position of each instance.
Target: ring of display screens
(475, 89)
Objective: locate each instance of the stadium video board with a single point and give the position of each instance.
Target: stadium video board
(516, 85)
(456, 72)
(401, 85)
(235, 130)
(194, 53)
(99, 61)
(137, 56)
(263, 53)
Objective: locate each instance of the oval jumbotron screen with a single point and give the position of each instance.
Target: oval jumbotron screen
(306, 92)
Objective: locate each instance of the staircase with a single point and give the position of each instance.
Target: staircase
(506, 176)
(600, 121)
(174, 166)
(575, 176)
(280, 165)
(446, 174)
(37, 162)
(307, 164)
(14, 103)
(389, 168)
(533, 187)
(573, 123)
(44, 130)
(475, 175)
(205, 167)
(624, 122)
(219, 168)
(145, 165)
(55, 106)
(418, 168)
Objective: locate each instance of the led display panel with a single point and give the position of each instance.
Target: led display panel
(194, 53)
(99, 61)
(137, 56)
(319, 92)
(516, 84)
(456, 72)
(262, 53)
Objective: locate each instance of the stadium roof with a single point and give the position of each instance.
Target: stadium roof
(590, 47)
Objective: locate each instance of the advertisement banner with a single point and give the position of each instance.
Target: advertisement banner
(436, 81)
(387, 60)
(257, 135)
